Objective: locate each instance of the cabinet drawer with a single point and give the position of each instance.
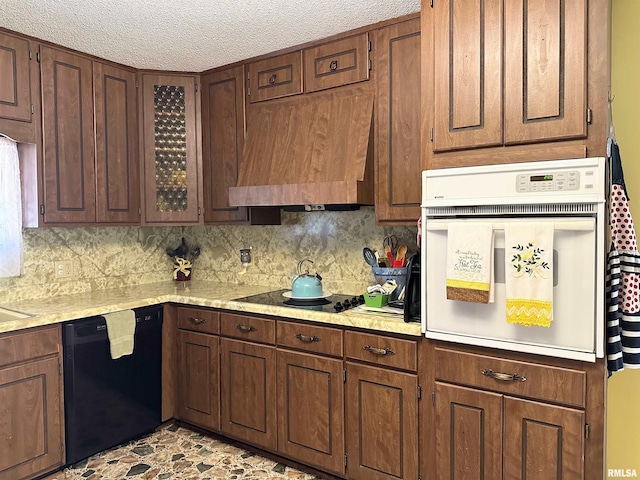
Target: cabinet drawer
(310, 338)
(249, 328)
(555, 384)
(26, 344)
(337, 63)
(199, 320)
(275, 77)
(382, 350)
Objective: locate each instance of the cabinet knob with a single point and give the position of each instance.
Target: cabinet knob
(307, 339)
(504, 377)
(333, 66)
(272, 79)
(378, 351)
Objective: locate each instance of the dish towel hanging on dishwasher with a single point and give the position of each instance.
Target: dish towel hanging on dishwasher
(470, 262)
(529, 276)
(622, 279)
(121, 327)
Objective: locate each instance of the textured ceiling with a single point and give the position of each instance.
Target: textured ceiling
(190, 35)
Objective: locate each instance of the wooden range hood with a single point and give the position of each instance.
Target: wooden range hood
(308, 151)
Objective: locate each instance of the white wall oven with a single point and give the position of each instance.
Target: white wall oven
(569, 194)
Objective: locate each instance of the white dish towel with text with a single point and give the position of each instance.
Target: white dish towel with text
(470, 262)
(529, 273)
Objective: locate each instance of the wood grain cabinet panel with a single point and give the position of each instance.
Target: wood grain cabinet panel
(311, 410)
(31, 433)
(542, 442)
(337, 63)
(398, 166)
(248, 327)
(199, 373)
(171, 170)
(248, 408)
(223, 141)
(468, 433)
(15, 85)
(117, 154)
(68, 137)
(199, 320)
(545, 70)
(275, 77)
(382, 424)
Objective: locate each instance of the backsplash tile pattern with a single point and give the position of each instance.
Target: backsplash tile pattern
(109, 257)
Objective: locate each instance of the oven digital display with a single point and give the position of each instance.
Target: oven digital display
(540, 178)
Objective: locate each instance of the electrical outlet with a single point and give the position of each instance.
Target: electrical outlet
(63, 268)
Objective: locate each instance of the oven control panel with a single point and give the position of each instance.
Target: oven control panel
(555, 182)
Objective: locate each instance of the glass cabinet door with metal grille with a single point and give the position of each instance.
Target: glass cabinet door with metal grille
(170, 149)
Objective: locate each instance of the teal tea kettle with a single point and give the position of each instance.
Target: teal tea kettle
(305, 284)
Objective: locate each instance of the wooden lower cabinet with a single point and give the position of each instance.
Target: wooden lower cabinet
(382, 423)
(311, 409)
(198, 379)
(248, 409)
(481, 434)
(31, 417)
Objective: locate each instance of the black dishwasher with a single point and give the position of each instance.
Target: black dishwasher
(108, 402)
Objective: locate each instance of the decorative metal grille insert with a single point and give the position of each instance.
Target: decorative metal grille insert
(170, 148)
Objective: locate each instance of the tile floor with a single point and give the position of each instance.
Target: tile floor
(174, 452)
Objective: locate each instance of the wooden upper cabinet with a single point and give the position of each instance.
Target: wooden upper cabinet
(337, 63)
(68, 164)
(223, 141)
(468, 74)
(275, 77)
(117, 154)
(15, 89)
(399, 166)
(170, 149)
(545, 70)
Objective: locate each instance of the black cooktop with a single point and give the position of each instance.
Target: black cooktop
(336, 303)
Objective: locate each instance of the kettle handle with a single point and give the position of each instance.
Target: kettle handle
(300, 264)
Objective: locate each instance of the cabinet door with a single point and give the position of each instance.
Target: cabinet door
(382, 424)
(249, 392)
(275, 77)
(117, 165)
(337, 63)
(199, 392)
(69, 163)
(223, 141)
(15, 86)
(468, 433)
(468, 74)
(31, 431)
(398, 123)
(311, 410)
(542, 442)
(545, 70)
(170, 150)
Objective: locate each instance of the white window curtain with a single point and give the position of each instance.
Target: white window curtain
(10, 210)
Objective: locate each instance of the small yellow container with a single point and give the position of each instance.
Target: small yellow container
(375, 299)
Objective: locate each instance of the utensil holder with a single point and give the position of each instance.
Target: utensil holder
(382, 274)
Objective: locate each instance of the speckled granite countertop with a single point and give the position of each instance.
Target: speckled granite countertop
(199, 293)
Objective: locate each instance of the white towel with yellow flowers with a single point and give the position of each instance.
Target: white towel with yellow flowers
(529, 273)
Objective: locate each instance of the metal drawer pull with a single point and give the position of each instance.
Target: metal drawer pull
(244, 328)
(197, 321)
(304, 338)
(333, 66)
(505, 377)
(272, 79)
(378, 351)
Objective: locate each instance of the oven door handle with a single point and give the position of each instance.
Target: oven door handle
(582, 226)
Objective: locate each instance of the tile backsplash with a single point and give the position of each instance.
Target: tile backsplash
(109, 257)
